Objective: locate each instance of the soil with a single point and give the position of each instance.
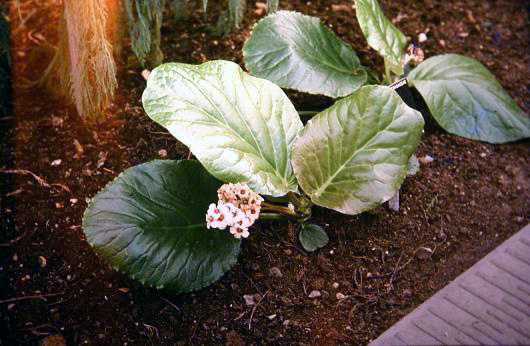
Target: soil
(376, 267)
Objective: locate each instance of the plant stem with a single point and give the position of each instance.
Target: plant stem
(279, 209)
(272, 217)
(388, 74)
(294, 199)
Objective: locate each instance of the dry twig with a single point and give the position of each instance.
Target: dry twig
(39, 180)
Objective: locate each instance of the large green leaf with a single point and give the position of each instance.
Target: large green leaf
(150, 224)
(354, 155)
(240, 127)
(298, 52)
(380, 33)
(466, 99)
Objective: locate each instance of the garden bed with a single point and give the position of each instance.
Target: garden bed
(469, 199)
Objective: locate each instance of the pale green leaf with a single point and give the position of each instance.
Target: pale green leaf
(380, 33)
(466, 99)
(313, 237)
(298, 52)
(240, 127)
(149, 223)
(354, 155)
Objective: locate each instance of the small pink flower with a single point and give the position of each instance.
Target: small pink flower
(239, 232)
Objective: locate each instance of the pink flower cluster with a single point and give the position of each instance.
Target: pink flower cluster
(238, 208)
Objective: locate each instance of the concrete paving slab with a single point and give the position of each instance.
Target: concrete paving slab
(489, 304)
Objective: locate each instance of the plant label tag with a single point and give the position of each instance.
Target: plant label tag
(402, 83)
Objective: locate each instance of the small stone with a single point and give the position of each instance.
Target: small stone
(341, 8)
(423, 253)
(271, 317)
(275, 272)
(73, 201)
(335, 285)
(42, 261)
(56, 162)
(146, 73)
(340, 296)
(425, 159)
(314, 294)
(286, 323)
(422, 37)
(58, 205)
(250, 299)
(123, 289)
(483, 154)
(162, 153)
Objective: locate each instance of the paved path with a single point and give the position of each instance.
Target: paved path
(489, 304)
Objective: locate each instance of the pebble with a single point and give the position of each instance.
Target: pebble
(56, 162)
(162, 153)
(275, 272)
(314, 294)
(146, 73)
(271, 317)
(423, 253)
(251, 299)
(335, 285)
(340, 296)
(422, 37)
(425, 159)
(42, 261)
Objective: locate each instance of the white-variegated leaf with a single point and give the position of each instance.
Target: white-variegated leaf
(354, 155)
(241, 128)
(298, 52)
(466, 99)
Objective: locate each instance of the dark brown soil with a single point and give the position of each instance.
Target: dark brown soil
(463, 204)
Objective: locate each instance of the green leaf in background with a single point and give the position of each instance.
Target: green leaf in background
(466, 99)
(272, 6)
(232, 16)
(380, 33)
(354, 155)
(241, 128)
(298, 52)
(149, 223)
(313, 237)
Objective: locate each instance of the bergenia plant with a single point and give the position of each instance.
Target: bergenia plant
(297, 51)
(175, 224)
(179, 224)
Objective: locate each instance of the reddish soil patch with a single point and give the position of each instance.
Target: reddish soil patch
(463, 204)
